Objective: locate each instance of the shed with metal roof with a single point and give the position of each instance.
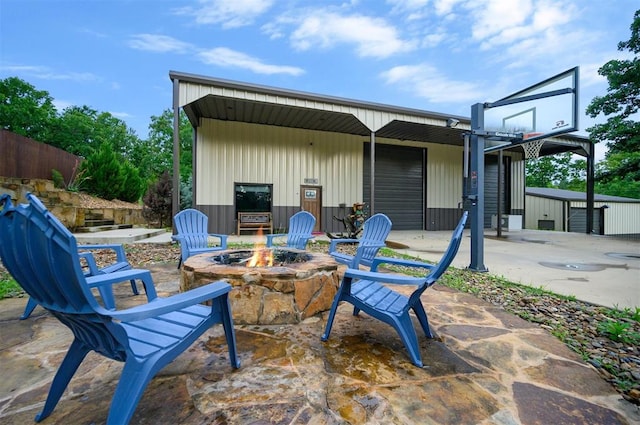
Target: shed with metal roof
(566, 210)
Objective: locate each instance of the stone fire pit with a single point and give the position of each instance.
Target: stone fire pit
(300, 284)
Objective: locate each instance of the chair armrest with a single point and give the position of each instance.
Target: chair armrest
(223, 239)
(335, 242)
(119, 250)
(395, 279)
(122, 276)
(398, 262)
(170, 304)
(271, 237)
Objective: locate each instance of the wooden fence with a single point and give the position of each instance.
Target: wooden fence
(22, 157)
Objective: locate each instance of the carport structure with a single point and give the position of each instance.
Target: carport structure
(210, 103)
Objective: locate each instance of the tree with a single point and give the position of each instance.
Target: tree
(82, 130)
(621, 166)
(25, 110)
(158, 200)
(109, 176)
(155, 155)
(557, 171)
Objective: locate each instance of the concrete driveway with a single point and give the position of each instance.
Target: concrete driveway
(602, 270)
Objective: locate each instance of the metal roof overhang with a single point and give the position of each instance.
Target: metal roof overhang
(230, 108)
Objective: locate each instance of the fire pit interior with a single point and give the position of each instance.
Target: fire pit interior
(270, 286)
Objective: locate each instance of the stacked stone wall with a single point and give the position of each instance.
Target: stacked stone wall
(68, 207)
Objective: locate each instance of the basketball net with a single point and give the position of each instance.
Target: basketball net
(532, 149)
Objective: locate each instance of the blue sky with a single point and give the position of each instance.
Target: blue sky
(436, 55)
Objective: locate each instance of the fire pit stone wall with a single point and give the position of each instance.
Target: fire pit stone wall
(269, 295)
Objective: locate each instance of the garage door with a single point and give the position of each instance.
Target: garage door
(399, 184)
(578, 221)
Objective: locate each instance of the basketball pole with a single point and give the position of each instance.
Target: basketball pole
(476, 189)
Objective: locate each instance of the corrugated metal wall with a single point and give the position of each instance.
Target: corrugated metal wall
(444, 176)
(538, 208)
(620, 218)
(229, 152)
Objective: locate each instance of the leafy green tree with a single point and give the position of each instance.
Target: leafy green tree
(621, 166)
(82, 130)
(25, 110)
(155, 155)
(557, 171)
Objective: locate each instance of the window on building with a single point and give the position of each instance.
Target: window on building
(253, 197)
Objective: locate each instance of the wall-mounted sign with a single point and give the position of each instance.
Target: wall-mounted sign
(311, 181)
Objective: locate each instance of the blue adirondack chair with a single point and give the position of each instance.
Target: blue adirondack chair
(375, 232)
(42, 256)
(91, 269)
(301, 226)
(366, 291)
(192, 227)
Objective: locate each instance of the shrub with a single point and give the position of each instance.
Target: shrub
(157, 201)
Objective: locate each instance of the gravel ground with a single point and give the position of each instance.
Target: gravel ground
(608, 339)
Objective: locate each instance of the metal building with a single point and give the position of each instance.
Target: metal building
(270, 149)
(566, 210)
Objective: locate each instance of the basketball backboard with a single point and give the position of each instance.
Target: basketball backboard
(543, 110)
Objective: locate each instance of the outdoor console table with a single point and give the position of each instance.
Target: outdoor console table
(255, 221)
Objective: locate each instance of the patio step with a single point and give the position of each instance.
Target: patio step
(94, 226)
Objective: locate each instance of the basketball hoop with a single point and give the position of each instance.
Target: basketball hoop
(532, 149)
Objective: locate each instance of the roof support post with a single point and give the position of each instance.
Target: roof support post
(590, 187)
(476, 189)
(373, 174)
(175, 200)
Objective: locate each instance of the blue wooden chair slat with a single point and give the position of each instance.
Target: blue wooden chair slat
(300, 231)
(42, 256)
(192, 234)
(366, 291)
(375, 231)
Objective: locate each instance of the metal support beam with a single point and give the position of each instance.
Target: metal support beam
(590, 187)
(476, 190)
(372, 208)
(175, 200)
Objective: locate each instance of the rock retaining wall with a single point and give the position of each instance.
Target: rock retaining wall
(68, 207)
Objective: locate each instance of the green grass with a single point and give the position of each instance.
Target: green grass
(9, 288)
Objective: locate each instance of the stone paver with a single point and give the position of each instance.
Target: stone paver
(484, 367)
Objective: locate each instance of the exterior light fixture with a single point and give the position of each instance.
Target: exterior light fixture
(452, 122)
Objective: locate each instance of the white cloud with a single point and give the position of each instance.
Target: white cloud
(45, 73)
(426, 81)
(444, 7)
(230, 14)
(372, 37)
(222, 56)
(121, 115)
(158, 43)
